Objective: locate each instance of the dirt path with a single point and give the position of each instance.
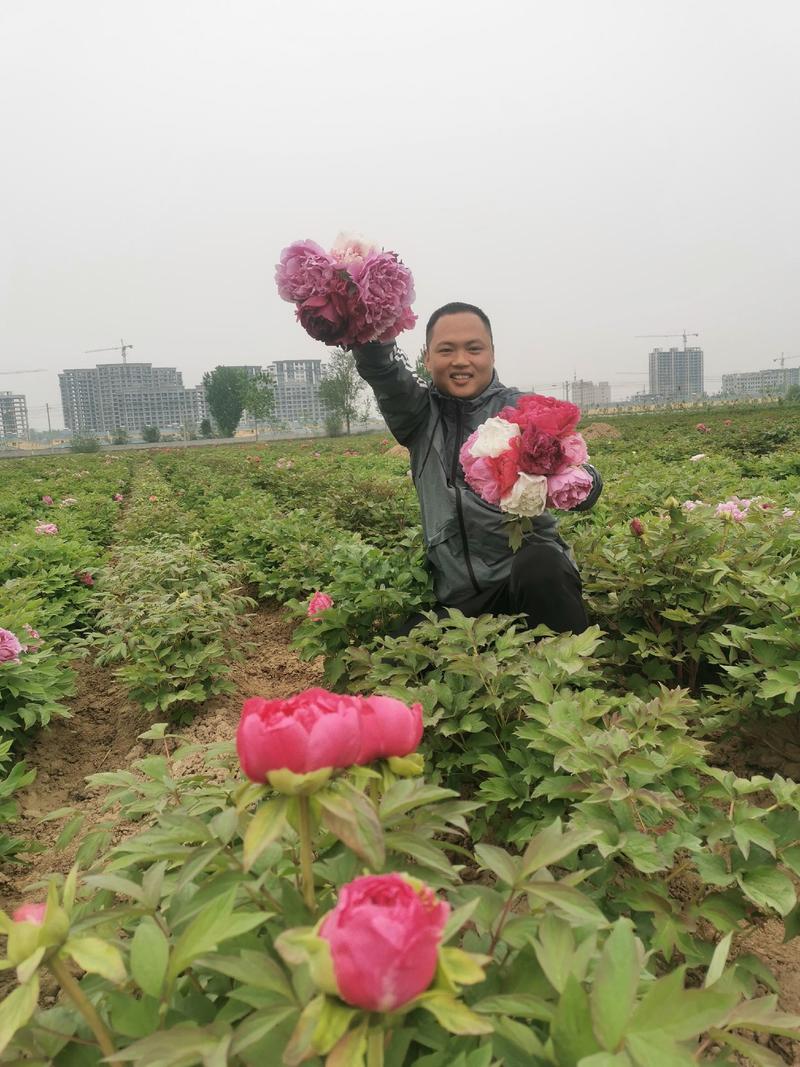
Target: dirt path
(102, 735)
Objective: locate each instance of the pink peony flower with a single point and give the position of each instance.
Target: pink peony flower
(788, 513)
(384, 936)
(492, 477)
(567, 490)
(575, 452)
(690, 505)
(29, 630)
(388, 728)
(302, 733)
(85, 578)
(557, 417)
(540, 452)
(118, 497)
(701, 426)
(319, 602)
(10, 647)
(385, 292)
(47, 500)
(637, 527)
(152, 499)
(46, 528)
(731, 508)
(727, 422)
(305, 271)
(30, 913)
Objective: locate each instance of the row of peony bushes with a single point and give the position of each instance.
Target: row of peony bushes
(334, 916)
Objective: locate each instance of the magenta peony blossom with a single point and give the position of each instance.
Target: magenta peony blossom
(637, 527)
(319, 602)
(30, 913)
(541, 452)
(46, 528)
(305, 270)
(385, 292)
(85, 578)
(47, 500)
(302, 733)
(388, 728)
(326, 316)
(10, 647)
(567, 490)
(384, 936)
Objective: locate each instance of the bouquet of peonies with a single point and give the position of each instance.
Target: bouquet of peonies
(528, 458)
(350, 295)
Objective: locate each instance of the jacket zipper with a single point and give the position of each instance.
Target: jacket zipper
(459, 506)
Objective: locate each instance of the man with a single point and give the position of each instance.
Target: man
(466, 539)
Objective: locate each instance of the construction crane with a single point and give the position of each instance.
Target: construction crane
(684, 335)
(39, 370)
(122, 347)
(782, 359)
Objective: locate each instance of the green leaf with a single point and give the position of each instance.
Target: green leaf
(658, 1050)
(350, 1049)
(525, 1005)
(551, 845)
(16, 1009)
(569, 900)
(462, 968)
(353, 819)
(718, 960)
(149, 957)
(265, 827)
(768, 888)
(679, 1014)
(96, 956)
(499, 862)
(615, 984)
(332, 1023)
(571, 1029)
(452, 1014)
(759, 1055)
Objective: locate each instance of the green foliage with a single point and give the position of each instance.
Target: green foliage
(83, 443)
(151, 434)
(226, 391)
(341, 389)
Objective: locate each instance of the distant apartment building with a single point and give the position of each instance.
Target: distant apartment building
(13, 416)
(772, 382)
(126, 396)
(588, 395)
(676, 374)
(297, 383)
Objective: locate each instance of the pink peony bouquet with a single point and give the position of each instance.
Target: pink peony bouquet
(351, 295)
(529, 457)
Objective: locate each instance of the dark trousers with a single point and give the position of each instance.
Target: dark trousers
(544, 585)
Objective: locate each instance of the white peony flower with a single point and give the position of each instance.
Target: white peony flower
(493, 438)
(528, 495)
(694, 459)
(350, 247)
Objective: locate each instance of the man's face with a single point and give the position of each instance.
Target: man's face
(460, 355)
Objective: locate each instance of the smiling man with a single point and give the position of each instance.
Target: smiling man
(466, 540)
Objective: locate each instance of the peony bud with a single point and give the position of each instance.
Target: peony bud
(384, 936)
(319, 602)
(30, 913)
(637, 527)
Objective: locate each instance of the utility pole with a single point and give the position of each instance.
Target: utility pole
(49, 428)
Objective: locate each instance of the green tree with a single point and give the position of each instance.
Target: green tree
(206, 429)
(341, 388)
(119, 437)
(259, 399)
(420, 369)
(226, 388)
(151, 434)
(793, 394)
(84, 444)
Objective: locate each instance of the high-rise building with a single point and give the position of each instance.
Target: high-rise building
(297, 383)
(771, 382)
(126, 396)
(676, 373)
(13, 416)
(588, 395)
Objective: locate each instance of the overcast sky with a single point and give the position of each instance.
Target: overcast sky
(585, 171)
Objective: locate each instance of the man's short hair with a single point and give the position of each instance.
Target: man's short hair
(456, 308)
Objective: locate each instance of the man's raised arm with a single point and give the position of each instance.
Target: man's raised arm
(402, 397)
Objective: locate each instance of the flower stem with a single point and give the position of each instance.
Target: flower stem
(306, 855)
(73, 990)
(375, 1040)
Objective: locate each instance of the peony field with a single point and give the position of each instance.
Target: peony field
(241, 823)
